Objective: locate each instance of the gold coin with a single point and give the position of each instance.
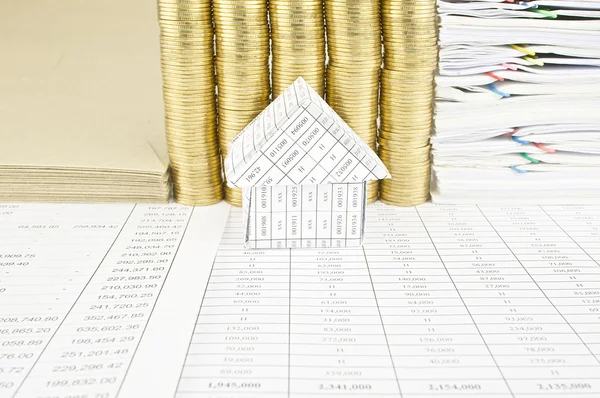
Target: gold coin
(206, 189)
(233, 196)
(414, 189)
(194, 188)
(185, 151)
(184, 117)
(198, 190)
(417, 164)
(416, 181)
(407, 167)
(372, 73)
(192, 199)
(342, 89)
(185, 181)
(415, 141)
(228, 71)
(206, 158)
(404, 202)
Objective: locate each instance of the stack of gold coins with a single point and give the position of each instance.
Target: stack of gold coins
(406, 105)
(298, 43)
(187, 55)
(242, 34)
(354, 48)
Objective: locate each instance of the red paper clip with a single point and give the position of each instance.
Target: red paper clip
(490, 74)
(543, 148)
(510, 134)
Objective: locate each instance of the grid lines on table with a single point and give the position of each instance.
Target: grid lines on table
(309, 211)
(441, 300)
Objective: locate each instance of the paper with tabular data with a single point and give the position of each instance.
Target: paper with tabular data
(131, 301)
(99, 301)
(329, 215)
(440, 301)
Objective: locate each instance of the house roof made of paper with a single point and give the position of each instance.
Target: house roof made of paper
(297, 140)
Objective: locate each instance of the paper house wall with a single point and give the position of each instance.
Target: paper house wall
(303, 174)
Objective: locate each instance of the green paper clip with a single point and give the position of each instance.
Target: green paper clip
(526, 156)
(546, 13)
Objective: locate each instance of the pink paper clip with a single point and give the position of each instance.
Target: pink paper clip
(510, 134)
(543, 148)
(493, 76)
(509, 66)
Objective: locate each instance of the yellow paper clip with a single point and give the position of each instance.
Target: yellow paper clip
(523, 50)
(534, 61)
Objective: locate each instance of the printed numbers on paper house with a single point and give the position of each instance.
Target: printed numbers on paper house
(303, 174)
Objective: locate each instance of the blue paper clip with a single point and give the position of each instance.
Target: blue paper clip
(518, 170)
(494, 89)
(527, 4)
(522, 142)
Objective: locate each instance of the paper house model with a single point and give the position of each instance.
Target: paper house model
(303, 174)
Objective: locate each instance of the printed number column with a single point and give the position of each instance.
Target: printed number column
(52, 250)
(91, 351)
(582, 226)
(338, 346)
(240, 344)
(548, 355)
(437, 350)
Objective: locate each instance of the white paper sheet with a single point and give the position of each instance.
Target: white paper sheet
(440, 301)
(79, 290)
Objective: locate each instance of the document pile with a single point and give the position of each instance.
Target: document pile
(81, 114)
(80, 169)
(518, 102)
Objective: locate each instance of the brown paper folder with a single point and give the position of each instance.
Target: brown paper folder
(81, 115)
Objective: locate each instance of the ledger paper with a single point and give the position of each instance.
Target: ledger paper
(440, 301)
(128, 301)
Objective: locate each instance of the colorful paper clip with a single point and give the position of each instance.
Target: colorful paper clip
(534, 61)
(522, 142)
(493, 76)
(527, 4)
(532, 160)
(495, 90)
(511, 133)
(522, 3)
(518, 170)
(523, 50)
(509, 66)
(543, 148)
(546, 13)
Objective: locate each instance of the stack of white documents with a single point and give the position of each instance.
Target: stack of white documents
(518, 102)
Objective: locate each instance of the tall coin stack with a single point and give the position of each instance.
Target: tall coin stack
(298, 43)
(242, 34)
(187, 54)
(410, 56)
(354, 47)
